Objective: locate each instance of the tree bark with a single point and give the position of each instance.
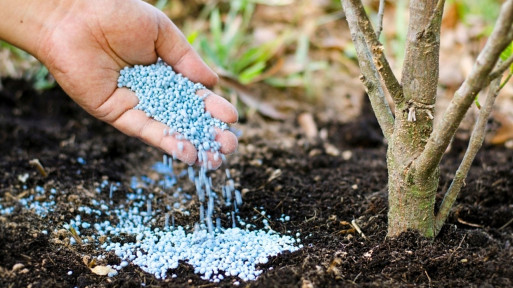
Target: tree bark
(411, 201)
(478, 79)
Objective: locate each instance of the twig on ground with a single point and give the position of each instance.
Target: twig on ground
(74, 234)
(507, 224)
(36, 163)
(469, 224)
(312, 218)
(265, 217)
(355, 225)
(429, 278)
(356, 278)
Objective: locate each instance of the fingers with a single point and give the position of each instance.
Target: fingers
(114, 106)
(219, 107)
(173, 48)
(137, 124)
(228, 142)
(118, 111)
(223, 110)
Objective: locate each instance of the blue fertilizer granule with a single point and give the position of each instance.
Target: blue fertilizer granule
(171, 98)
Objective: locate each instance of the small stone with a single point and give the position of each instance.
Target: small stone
(346, 155)
(331, 150)
(17, 266)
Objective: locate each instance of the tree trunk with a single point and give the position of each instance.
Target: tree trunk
(412, 197)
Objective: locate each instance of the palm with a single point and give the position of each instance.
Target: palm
(85, 55)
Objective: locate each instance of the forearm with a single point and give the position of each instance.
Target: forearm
(26, 23)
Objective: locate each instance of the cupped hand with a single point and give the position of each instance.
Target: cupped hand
(95, 39)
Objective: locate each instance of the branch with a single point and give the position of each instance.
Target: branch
(370, 77)
(381, 13)
(439, 10)
(497, 72)
(475, 143)
(421, 62)
(444, 131)
(361, 21)
(437, 14)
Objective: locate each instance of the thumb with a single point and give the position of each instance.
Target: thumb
(172, 46)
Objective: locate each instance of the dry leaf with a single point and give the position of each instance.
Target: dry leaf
(505, 132)
(102, 270)
(334, 269)
(451, 16)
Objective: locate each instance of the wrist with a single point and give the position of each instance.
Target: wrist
(25, 24)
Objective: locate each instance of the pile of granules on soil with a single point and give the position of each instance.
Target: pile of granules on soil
(133, 229)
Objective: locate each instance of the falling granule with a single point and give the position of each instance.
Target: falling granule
(171, 99)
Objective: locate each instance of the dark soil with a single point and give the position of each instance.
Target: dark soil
(321, 193)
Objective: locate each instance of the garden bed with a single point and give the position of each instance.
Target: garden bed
(328, 187)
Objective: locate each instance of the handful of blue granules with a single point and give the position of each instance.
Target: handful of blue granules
(171, 98)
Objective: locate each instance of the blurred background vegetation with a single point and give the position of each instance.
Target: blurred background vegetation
(280, 57)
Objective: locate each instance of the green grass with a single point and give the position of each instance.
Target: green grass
(227, 44)
(27, 67)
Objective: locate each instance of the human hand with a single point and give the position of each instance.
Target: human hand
(86, 47)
